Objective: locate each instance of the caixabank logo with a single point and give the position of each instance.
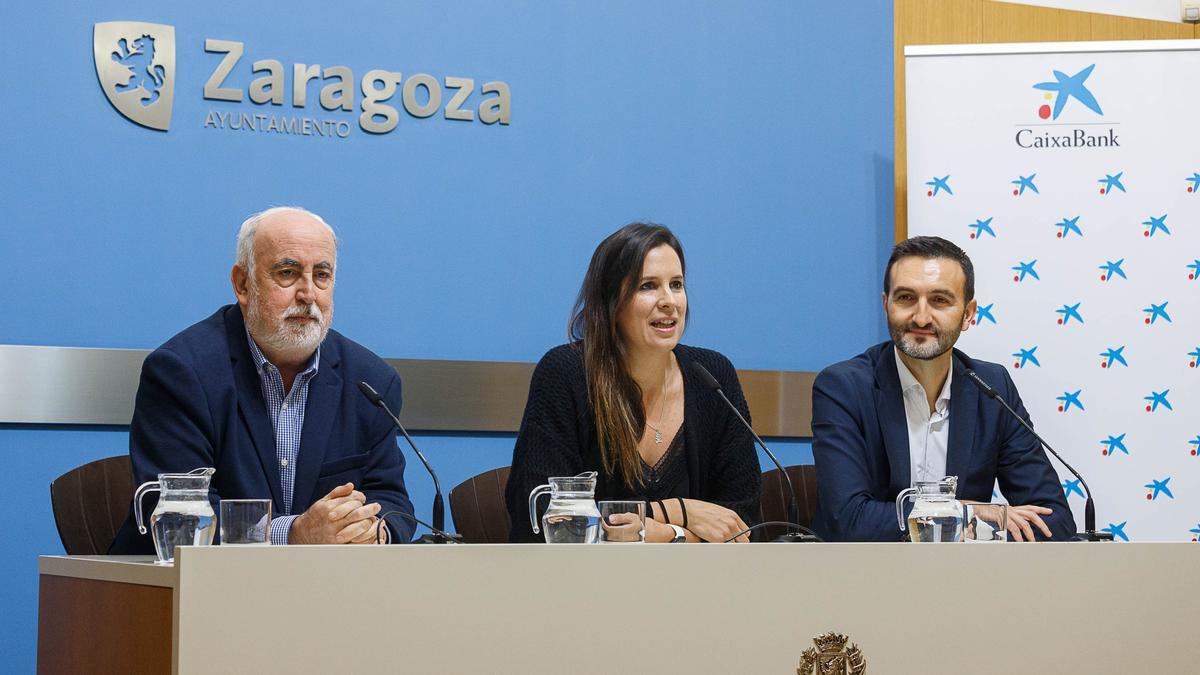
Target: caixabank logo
(1064, 88)
(1083, 125)
(135, 63)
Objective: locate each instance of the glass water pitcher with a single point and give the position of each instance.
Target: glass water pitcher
(572, 517)
(936, 515)
(183, 517)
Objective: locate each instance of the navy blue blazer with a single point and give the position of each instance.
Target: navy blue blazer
(860, 445)
(200, 403)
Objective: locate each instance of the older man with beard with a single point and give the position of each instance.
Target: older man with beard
(264, 392)
(903, 411)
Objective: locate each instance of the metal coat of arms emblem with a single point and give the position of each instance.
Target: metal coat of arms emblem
(135, 63)
(830, 656)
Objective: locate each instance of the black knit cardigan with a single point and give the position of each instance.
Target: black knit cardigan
(558, 437)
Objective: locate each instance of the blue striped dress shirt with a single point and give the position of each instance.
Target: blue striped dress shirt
(287, 417)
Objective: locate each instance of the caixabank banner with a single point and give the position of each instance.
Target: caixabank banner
(1070, 173)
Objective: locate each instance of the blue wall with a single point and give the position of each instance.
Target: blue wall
(761, 133)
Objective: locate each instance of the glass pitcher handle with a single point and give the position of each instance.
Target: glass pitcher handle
(537, 492)
(148, 486)
(908, 493)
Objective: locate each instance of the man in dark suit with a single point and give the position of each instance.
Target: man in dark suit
(903, 411)
(265, 393)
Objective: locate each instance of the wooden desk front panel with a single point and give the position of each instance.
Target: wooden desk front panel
(93, 626)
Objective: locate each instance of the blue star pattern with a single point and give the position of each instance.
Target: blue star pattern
(1112, 356)
(1072, 486)
(1026, 268)
(1071, 86)
(1110, 181)
(1195, 270)
(983, 312)
(1069, 312)
(1195, 183)
(1070, 399)
(1155, 224)
(1156, 399)
(1117, 531)
(1113, 269)
(939, 184)
(1156, 312)
(982, 227)
(1114, 444)
(1026, 356)
(1158, 487)
(1068, 226)
(1023, 183)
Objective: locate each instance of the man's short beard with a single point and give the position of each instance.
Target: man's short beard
(287, 340)
(940, 343)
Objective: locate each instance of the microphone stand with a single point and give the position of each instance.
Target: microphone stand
(792, 536)
(449, 538)
(438, 535)
(1089, 506)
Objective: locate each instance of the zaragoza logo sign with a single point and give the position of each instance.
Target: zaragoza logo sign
(135, 63)
(136, 66)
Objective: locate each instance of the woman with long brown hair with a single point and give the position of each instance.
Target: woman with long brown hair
(622, 399)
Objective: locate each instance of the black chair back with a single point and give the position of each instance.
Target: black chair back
(90, 503)
(774, 499)
(477, 505)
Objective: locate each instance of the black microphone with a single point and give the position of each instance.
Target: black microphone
(439, 505)
(711, 383)
(1089, 506)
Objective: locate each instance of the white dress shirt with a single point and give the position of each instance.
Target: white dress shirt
(928, 434)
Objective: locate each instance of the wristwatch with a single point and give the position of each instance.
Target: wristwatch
(680, 534)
